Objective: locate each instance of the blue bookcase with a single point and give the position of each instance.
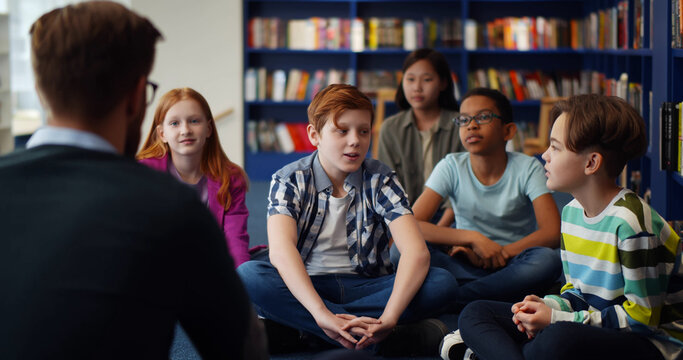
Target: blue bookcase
(667, 68)
(653, 66)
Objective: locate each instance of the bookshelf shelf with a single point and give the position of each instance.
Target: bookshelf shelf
(620, 52)
(299, 52)
(263, 165)
(667, 65)
(530, 103)
(678, 178)
(277, 103)
(561, 51)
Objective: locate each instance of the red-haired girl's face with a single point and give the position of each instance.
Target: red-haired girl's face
(185, 129)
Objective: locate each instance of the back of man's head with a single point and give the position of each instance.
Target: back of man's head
(87, 57)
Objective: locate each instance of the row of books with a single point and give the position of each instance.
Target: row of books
(267, 135)
(671, 141)
(676, 21)
(602, 29)
(517, 33)
(523, 85)
(295, 85)
(261, 84)
(607, 28)
(318, 33)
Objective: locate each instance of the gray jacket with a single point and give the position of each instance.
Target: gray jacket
(400, 148)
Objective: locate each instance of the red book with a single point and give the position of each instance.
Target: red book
(303, 135)
(296, 139)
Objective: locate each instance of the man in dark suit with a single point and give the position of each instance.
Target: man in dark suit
(100, 256)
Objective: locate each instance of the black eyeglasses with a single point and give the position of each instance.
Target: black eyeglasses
(481, 118)
(151, 90)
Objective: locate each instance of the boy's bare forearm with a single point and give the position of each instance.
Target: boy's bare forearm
(286, 259)
(442, 235)
(412, 269)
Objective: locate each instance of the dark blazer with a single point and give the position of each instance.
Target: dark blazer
(100, 257)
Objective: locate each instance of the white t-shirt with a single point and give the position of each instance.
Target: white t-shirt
(503, 211)
(330, 253)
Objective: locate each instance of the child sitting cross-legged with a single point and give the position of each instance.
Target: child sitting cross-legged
(330, 219)
(507, 223)
(622, 261)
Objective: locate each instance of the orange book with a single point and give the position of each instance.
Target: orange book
(303, 85)
(516, 86)
(574, 33)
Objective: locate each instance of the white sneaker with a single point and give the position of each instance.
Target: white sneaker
(469, 355)
(452, 346)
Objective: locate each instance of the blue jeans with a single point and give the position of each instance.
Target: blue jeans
(483, 323)
(532, 271)
(342, 294)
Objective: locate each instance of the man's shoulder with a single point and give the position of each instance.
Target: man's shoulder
(109, 174)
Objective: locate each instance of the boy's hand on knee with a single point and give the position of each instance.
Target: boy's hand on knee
(473, 258)
(490, 252)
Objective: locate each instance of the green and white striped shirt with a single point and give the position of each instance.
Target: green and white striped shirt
(623, 271)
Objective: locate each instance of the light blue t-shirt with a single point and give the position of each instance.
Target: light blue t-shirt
(503, 211)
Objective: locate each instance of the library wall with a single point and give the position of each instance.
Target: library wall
(201, 49)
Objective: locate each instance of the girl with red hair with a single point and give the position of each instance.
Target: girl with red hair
(184, 143)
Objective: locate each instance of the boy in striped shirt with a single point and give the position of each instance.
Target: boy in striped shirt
(623, 297)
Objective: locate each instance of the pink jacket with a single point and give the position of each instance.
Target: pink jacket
(233, 221)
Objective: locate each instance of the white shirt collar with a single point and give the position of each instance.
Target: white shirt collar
(52, 135)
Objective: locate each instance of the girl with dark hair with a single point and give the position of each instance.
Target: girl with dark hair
(414, 140)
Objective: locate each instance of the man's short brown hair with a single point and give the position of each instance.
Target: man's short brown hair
(606, 124)
(87, 57)
(333, 100)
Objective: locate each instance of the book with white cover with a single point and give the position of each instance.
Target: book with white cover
(292, 84)
(409, 35)
(283, 137)
(250, 85)
(279, 85)
(470, 34)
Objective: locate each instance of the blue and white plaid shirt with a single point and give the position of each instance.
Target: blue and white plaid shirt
(302, 190)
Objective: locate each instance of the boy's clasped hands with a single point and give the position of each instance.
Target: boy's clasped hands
(483, 252)
(347, 328)
(531, 315)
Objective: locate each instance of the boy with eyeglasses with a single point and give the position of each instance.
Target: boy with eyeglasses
(507, 223)
(622, 261)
